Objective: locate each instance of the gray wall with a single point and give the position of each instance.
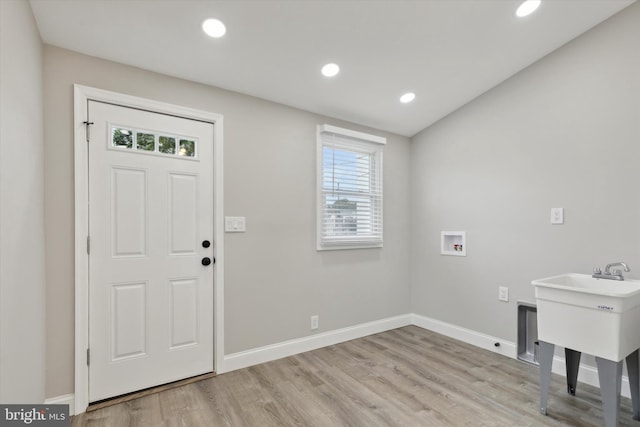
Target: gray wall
(564, 132)
(274, 278)
(22, 269)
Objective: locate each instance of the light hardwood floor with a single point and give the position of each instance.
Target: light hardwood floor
(404, 377)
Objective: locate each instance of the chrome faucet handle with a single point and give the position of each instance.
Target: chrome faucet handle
(597, 270)
(616, 264)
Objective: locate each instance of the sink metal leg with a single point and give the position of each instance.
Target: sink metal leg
(610, 376)
(546, 363)
(572, 361)
(633, 369)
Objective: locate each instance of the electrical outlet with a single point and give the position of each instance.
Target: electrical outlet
(503, 293)
(557, 215)
(314, 322)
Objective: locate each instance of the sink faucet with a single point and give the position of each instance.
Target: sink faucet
(615, 274)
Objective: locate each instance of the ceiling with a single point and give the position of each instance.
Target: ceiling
(446, 51)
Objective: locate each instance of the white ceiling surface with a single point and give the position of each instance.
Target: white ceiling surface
(446, 51)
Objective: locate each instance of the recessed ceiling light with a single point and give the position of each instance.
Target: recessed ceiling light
(407, 97)
(330, 70)
(527, 8)
(214, 28)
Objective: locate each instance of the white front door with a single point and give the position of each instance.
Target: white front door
(151, 236)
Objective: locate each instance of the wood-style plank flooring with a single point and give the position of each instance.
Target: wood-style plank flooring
(404, 377)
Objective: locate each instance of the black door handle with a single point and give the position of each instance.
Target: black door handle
(206, 243)
(206, 261)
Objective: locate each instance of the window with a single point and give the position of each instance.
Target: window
(349, 189)
(152, 142)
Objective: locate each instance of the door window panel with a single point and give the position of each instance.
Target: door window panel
(121, 137)
(145, 141)
(152, 142)
(187, 148)
(167, 145)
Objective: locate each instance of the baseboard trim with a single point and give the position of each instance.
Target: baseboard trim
(469, 336)
(586, 374)
(267, 353)
(65, 399)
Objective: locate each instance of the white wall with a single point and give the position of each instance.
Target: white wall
(564, 132)
(22, 269)
(274, 277)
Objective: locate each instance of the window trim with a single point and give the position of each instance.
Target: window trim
(356, 141)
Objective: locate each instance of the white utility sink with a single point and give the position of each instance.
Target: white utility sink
(594, 316)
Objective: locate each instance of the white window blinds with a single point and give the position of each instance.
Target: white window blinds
(349, 189)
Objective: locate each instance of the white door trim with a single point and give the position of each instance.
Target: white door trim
(82, 94)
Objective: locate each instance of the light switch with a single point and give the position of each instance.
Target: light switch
(557, 215)
(235, 224)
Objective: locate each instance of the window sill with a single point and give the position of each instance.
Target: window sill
(340, 247)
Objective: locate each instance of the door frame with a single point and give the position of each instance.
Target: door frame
(82, 95)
